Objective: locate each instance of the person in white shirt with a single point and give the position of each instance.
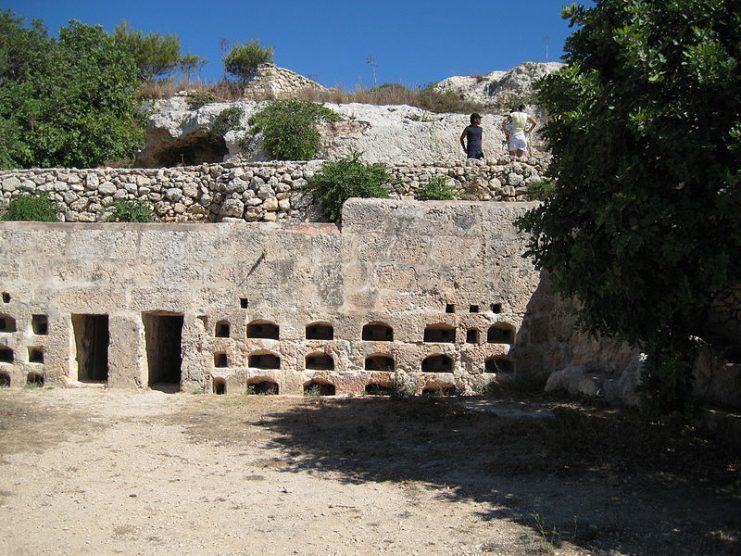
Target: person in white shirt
(518, 125)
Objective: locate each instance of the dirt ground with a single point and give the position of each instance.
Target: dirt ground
(95, 471)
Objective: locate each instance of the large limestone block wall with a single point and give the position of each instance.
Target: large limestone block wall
(435, 291)
(266, 192)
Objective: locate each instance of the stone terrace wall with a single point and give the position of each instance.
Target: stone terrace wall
(262, 191)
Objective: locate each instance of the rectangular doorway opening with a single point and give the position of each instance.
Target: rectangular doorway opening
(163, 337)
(91, 347)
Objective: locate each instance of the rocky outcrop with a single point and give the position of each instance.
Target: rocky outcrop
(500, 88)
(388, 134)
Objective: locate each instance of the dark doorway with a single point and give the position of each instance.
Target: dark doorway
(262, 360)
(163, 336)
(91, 346)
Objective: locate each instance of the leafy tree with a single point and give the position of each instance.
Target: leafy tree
(643, 226)
(156, 56)
(289, 128)
(71, 103)
(242, 60)
(191, 64)
(339, 180)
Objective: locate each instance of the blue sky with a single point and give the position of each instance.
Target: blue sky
(415, 42)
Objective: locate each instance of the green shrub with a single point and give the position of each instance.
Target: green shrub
(242, 60)
(339, 180)
(289, 128)
(540, 190)
(132, 211)
(227, 120)
(155, 55)
(437, 189)
(37, 207)
(199, 98)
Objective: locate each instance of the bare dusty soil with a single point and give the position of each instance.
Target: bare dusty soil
(93, 471)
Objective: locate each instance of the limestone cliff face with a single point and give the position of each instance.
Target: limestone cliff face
(390, 134)
(499, 88)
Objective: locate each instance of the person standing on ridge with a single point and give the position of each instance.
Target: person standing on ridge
(519, 130)
(471, 138)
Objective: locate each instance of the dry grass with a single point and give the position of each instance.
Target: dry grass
(388, 94)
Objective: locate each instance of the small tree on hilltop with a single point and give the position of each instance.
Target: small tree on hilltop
(643, 226)
(242, 60)
(156, 56)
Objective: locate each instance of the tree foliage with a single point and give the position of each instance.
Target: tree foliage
(644, 224)
(339, 180)
(242, 60)
(289, 128)
(66, 102)
(156, 56)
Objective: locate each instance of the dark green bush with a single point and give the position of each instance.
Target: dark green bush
(289, 128)
(200, 98)
(227, 120)
(437, 189)
(37, 207)
(132, 211)
(339, 180)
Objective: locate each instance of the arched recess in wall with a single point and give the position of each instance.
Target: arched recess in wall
(379, 389)
(378, 332)
(438, 363)
(4, 380)
(263, 359)
(262, 385)
(222, 329)
(319, 387)
(35, 379)
(263, 329)
(7, 323)
(501, 333)
(319, 331)
(439, 333)
(437, 388)
(499, 364)
(380, 362)
(319, 361)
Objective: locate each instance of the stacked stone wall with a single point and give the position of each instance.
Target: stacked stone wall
(258, 191)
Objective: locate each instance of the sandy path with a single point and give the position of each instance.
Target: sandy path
(123, 481)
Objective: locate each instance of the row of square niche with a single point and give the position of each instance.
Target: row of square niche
(498, 333)
(39, 324)
(35, 355)
(319, 361)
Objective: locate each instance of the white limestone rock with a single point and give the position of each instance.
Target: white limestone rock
(499, 87)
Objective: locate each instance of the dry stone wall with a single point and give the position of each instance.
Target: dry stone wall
(262, 191)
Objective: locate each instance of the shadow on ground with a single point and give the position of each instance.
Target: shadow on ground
(600, 479)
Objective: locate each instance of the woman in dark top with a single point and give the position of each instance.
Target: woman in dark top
(471, 138)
